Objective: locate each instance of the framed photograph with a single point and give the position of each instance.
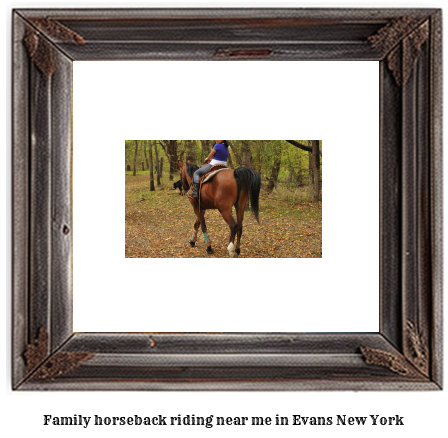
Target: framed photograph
(229, 194)
(224, 336)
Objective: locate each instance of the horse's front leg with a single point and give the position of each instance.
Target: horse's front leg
(194, 238)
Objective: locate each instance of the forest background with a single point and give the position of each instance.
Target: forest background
(158, 224)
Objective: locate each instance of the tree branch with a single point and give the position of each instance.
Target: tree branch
(301, 146)
(164, 149)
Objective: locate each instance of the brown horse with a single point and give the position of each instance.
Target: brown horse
(227, 188)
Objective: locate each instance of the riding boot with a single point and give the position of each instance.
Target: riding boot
(195, 192)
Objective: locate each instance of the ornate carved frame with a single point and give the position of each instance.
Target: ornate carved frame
(406, 354)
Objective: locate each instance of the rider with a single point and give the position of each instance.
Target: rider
(218, 155)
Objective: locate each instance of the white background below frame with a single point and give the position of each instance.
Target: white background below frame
(336, 102)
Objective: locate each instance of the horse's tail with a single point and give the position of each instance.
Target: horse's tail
(250, 180)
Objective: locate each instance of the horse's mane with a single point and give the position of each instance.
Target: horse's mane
(191, 169)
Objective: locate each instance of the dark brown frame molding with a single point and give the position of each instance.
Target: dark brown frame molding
(406, 354)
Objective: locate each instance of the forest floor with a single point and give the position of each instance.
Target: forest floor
(160, 224)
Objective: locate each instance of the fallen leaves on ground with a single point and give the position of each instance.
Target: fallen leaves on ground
(160, 224)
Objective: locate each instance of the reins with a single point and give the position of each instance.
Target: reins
(199, 194)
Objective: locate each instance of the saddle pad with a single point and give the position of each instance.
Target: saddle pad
(210, 175)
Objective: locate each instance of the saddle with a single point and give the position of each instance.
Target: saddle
(213, 171)
(206, 178)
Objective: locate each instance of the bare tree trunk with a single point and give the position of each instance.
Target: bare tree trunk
(260, 144)
(191, 151)
(315, 167)
(151, 168)
(146, 158)
(135, 157)
(298, 177)
(160, 172)
(247, 154)
(172, 153)
(205, 150)
(157, 165)
(230, 161)
(234, 150)
(310, 168)
(275, 167)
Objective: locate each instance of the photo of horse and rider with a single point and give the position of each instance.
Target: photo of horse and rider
(194, 198)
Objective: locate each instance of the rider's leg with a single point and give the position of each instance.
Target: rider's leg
(196, 178)
(200, 172)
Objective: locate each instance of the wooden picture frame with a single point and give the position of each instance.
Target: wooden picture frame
(406, 353)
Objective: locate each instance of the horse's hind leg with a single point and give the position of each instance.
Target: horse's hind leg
(227, 215)
(239, 217)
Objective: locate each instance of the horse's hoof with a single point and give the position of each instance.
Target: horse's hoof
(231, 249)
(234, 255)
(209, 250)
(238, 251)
(192, 244)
